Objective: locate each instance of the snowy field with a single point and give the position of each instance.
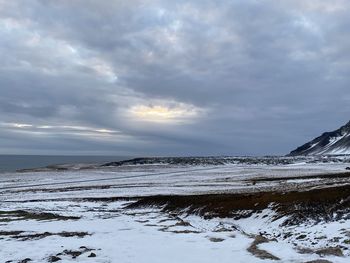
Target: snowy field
(109, 214)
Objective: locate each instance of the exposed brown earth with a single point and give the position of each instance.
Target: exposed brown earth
(260, 253)
(329, 203)
(23, 237)
(13, 215)
(316, 176)
(327, 251)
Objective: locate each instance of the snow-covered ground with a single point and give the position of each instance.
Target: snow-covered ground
(85, 215)
(145, 180)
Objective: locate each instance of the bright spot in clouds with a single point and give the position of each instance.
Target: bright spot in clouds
(162, 113)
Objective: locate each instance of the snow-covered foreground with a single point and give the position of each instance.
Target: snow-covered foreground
(114, 234)
(100, 215)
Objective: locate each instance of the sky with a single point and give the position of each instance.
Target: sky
(164, 77)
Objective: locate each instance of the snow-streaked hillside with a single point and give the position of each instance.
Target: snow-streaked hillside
(330, 143)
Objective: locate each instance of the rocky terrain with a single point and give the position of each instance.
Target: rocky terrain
(209, 161)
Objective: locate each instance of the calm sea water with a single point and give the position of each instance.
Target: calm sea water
(11, 163)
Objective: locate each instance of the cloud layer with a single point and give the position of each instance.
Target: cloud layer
(171, 77)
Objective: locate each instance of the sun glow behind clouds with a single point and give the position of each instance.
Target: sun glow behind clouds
(161, 113)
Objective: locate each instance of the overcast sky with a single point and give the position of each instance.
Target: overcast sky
(129, 77)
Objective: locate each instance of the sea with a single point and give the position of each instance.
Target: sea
(11, 163)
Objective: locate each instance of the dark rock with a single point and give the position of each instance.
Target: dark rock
(216, 239)
(54, 259)
(346, 241)
(301, 236)
(72, 253)
(92, 255)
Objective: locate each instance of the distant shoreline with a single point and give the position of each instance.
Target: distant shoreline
(12, 163)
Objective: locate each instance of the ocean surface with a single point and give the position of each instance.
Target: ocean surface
(11, 163)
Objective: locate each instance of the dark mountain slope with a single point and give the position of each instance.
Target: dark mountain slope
(330, 143)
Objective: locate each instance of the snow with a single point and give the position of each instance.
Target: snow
(340, 151)
(123, 239)
(135, 236)
(148, 180)
(120, 234)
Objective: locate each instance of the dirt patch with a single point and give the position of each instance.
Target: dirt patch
(222, 228)
(260, 253)
(8, 216)
(181, 222)
(26, 260)
(316, 176)
(185, 231)
(24, 237)
(74, 199)
(76, 253)
(10, 233)
(65, 189)
(328, 251)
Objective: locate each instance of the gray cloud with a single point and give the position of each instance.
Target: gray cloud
(171, 77)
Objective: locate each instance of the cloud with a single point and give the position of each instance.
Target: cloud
(171, 77)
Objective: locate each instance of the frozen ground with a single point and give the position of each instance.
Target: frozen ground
(234, 212)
